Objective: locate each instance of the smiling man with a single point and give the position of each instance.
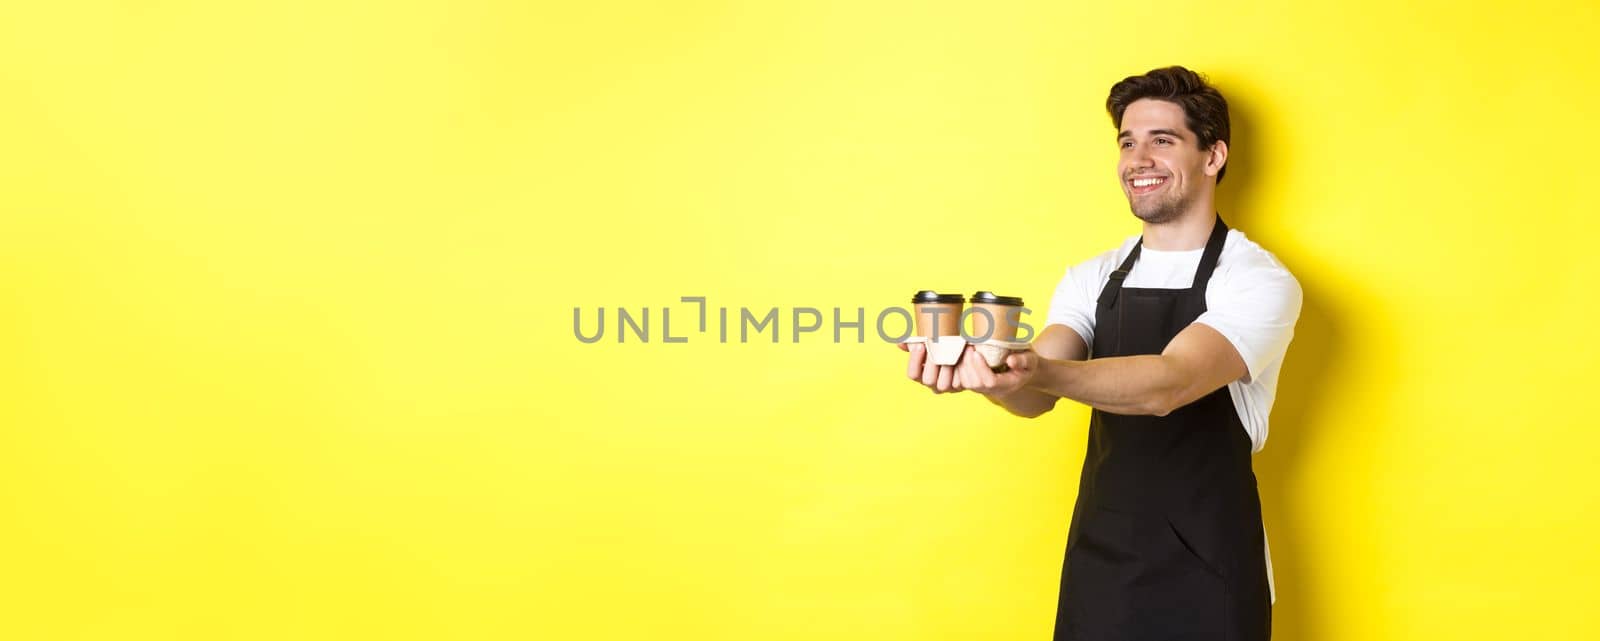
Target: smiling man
(1175, 339)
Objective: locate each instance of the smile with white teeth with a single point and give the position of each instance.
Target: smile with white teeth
(1146, 182)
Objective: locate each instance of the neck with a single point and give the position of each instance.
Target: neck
(1187, 232)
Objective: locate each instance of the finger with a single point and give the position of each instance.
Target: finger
(978, 371)
(964, 374)
(930, 372)
(914, 365)
(985, 376)
(945, 372)
(964, 370)
(903, 347)
(1024, 365)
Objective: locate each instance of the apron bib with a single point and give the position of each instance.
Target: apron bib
(1166, 541)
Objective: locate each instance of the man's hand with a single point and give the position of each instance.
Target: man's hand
(1014, 390)
(973, 373)
(939, 378)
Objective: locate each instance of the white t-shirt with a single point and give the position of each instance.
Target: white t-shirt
(1252, 300)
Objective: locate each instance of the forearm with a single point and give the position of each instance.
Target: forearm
(1024, 401)
(1131, 385)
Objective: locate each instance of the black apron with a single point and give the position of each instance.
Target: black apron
(1166, 541)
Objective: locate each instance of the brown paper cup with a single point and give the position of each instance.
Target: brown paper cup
(1002, 318)
(995, 317)
(945, 307)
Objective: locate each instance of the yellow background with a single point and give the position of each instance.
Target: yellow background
(286, 295)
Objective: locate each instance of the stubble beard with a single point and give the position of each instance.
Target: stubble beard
(1162, 211)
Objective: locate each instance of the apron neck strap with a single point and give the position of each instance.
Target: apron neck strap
(1202, 274)
(1208, 260)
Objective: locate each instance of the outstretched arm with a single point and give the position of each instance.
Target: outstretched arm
(1056, 342)
(1196, 362)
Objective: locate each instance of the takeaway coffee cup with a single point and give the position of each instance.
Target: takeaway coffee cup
(938, 314)
(994, 327)
(995, 318)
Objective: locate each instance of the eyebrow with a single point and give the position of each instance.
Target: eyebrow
(1154, 132)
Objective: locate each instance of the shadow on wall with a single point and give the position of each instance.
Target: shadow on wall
(1298, 408)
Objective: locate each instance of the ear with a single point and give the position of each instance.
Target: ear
(1216, 158)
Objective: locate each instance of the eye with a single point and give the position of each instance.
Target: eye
(1163, 141)
(1126, 144)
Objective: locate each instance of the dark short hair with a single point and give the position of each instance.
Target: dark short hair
(1204, 109)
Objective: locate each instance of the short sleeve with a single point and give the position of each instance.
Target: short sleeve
(1255, 307)
(1073, 304)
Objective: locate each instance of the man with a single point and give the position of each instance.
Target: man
(1187, 326)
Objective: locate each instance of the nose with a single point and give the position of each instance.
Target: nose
(1139, 158)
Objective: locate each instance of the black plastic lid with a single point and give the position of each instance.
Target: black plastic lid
(930, 296)
(989, 298)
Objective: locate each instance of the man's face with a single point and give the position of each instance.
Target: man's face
(1163, 169)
